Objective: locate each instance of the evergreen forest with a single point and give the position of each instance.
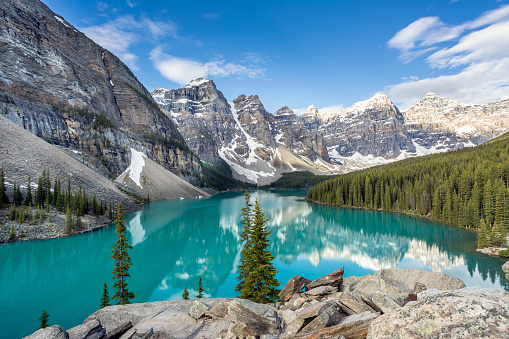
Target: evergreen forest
(465, 188)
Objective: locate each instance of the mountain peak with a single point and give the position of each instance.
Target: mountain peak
(311, 110)
(198, 82)
(284, 111)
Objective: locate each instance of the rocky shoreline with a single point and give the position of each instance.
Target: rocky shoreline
(391, 303)
(51, 228)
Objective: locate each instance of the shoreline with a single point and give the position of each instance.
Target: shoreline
(52, 228)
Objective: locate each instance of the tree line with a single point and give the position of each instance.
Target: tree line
(34, 205)
(465, 188)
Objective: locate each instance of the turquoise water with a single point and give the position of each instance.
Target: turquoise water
(177, 241)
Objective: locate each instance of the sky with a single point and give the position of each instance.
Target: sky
(327, 53)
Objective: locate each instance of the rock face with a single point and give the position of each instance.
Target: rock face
(464, 313)
(66, 89)
(294, 285)
(257, 145)
(52, 332)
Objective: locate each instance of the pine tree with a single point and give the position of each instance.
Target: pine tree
(200, 289)
(122, 260)
(12, 233)
(44, 319)
(4, 200)
(245, 264)
(497, 235)
(69, 224)
(105, 299)
(482, 237)
(28, 198)
(185, 294)
(260, 283)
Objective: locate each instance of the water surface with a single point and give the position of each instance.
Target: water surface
(177, 241)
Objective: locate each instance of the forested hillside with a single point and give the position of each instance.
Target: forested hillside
(466, 188)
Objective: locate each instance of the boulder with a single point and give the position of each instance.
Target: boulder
(294, 285)
(90, 330)
(505, 268)
(328, 317)
(463, 313)
(240, 313)
(218, 311)
(353, 326)
(405, 279)
(313, 310)
(198, 309)
(294, 326)
(334, 279)
(368, 285)
(211, 329)
(322, 290)
(52, 332)
(165, 324)
(384, 303)
(351, 304)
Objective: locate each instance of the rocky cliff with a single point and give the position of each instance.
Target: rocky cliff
(61, 86)
(257, 145)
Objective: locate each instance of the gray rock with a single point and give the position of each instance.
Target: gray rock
(198, 309)
(367, 285)
(294, 285)
(334, 279)
(353, 326)
(294, 326)
(52, 332)
(241, 330)
(464, 313)
(165, 324)
(240, 313)
(384, 303)
(288, 316)
(211, 329)
(313, 310)
(90, 330)
(298, 302)
(328, 317)
(322, 290)
(505, 268)
(405, 279)
(351, 304)
(218, 311)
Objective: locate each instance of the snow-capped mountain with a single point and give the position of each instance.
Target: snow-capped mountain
(257, 145)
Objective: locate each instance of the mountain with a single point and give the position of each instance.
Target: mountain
(61, 86)
(257, 145)
(22, 154)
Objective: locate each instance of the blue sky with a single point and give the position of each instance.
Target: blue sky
(327, 53)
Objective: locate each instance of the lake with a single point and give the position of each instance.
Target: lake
(177, 241)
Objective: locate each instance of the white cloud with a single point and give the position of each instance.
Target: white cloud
(122, 33)
(330, 109)
(182, 71)
(478, 61)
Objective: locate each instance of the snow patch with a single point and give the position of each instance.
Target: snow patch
(197, 82)
(136, 166)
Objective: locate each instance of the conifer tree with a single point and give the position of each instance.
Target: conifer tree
(200, 289)
(185, 294)
(44, 319)
(482, 237)
(105, 299)
(69, 225)
(28, 198)
(4, 200)
(122, 260)
(245, 263)
(12, 233)
(260, 285)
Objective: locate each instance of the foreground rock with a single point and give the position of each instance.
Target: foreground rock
(465, 313)
(392, 303)
(505, 268)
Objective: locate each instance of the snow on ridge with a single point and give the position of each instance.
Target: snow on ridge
(197, 82)
(136, 166)
(62, 21)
